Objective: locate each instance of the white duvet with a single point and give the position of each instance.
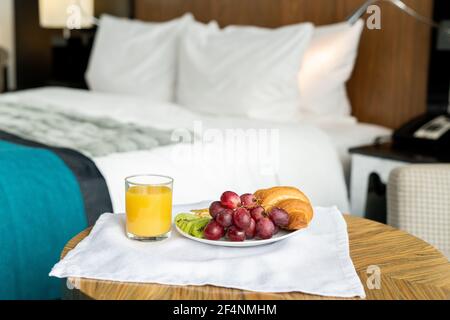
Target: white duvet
(295, 154)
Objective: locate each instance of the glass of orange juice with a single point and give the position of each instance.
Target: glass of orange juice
(148, 207)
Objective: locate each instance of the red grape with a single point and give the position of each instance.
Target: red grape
(230, 200)
(215, 208)
(251, 230)
(279, 217)
(249, 201)
(225, 218)
(276, 230)
(214, 231)
(257, 213)
(242, 218)
(264, 228)
(235, 234)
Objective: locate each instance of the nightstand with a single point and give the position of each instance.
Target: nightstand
(69, 61)
(66, 84)
(374, 164)
(3, 69)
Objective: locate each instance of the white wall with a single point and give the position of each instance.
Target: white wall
(7, 37)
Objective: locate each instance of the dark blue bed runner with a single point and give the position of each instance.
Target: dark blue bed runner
(47, 196)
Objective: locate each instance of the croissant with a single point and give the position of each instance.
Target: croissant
(291, 200)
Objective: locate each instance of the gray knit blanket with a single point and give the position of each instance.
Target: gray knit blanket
(94, 137)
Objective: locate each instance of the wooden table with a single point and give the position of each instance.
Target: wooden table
(410, 269)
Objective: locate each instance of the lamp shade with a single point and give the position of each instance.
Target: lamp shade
(70, 14)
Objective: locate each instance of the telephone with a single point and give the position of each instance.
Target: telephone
(429, 132)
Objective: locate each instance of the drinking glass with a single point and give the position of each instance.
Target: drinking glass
(148, 207)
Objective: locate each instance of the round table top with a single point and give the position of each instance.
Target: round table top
(409, 268)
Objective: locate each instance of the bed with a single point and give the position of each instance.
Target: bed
(55, 181)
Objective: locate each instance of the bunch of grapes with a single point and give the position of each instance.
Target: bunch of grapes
(240, 217)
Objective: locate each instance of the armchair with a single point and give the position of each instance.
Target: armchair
(419, 203)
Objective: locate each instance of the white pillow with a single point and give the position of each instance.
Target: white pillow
(134, 57)
(327, 66)
(242, 71)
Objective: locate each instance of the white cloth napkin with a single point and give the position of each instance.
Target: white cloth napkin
(316, 261)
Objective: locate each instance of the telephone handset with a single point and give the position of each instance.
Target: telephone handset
(429, 132)
(435, 129)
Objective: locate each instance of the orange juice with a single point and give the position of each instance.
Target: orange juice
(149, 210)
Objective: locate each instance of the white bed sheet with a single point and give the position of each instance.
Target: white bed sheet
(347, 135)
(307, 157)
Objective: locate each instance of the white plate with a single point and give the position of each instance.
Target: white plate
(281, 235)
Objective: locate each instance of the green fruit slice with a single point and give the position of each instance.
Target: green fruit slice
(192, 224)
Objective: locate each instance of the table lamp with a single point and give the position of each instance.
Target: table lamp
(66, 14)
(69, 52)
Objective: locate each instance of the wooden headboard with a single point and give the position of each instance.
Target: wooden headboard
(389, 84)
